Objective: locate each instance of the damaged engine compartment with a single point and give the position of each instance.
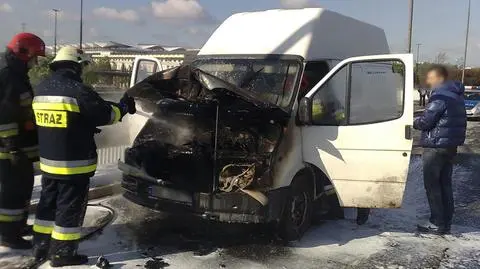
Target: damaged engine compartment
(203, 134)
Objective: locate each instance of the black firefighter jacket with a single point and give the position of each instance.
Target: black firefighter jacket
(67, 113)
(17, 128)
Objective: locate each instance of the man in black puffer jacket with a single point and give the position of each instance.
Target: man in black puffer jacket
(443, 125)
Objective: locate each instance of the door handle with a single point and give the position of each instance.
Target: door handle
(408, 132)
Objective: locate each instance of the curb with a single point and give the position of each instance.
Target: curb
(418, 151)
(93, 194)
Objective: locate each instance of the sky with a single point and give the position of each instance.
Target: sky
(439, 25)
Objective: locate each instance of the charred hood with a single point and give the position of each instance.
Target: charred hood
(194, 85)
(226, 136)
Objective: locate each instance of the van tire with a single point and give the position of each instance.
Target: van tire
(298, 209)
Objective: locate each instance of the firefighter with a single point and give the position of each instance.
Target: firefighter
(67, 114)
(18, 137)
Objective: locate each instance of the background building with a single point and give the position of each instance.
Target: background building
(121, 56)
(120, 59)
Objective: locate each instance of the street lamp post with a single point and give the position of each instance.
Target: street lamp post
(466, 42)
(55, 33)
(81, 23)
(418, 52)
(410, 26)
(417, 77)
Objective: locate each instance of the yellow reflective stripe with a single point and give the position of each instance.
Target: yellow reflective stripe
(66, 234)
(55, 102)
(65, 237)
(31, 152)
(73, 167)
(43, 226)
(68, 170)
(11, 215)
(9, 133)
(5, 156)
(7, 218)
(116, 114)
(7, 130)
(42, 229)
(56, 106)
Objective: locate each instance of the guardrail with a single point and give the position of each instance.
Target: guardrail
(111, 155)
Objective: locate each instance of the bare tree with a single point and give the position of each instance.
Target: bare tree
(441, 58)
(459, 63)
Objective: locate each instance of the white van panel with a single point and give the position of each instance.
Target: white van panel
(144, 67)
(367, 163)
(312, 33)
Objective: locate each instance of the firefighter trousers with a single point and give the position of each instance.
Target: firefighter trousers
(16, 185)
(60, 214)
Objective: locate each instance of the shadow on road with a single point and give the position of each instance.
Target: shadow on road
(147, 234)
(139, 233)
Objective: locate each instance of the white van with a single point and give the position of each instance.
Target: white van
(280, 109)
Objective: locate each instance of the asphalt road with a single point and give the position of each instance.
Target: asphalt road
(140, 238)
(388, 240)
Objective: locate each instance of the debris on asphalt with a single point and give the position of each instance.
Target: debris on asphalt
(103, 263)
(204, 250)
(156, 263)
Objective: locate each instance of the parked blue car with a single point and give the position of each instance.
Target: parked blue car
(472, 103)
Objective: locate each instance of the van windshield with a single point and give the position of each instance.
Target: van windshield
(273, 81)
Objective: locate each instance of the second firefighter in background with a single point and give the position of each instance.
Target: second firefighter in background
(18, 137)
(67, 113)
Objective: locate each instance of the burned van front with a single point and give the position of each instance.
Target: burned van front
(210, 139)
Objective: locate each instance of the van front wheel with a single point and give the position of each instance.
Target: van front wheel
(297, 213)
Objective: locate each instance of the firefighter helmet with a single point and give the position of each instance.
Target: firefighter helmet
(71, 54)
(27, 46)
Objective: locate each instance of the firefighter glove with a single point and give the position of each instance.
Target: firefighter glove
(128, 103)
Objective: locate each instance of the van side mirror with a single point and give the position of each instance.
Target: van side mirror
(305, 111)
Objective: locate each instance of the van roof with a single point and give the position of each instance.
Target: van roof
(312, 33)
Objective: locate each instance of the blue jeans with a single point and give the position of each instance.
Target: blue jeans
(437, 177)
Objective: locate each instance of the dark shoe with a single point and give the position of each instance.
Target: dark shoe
(446, 230)
(59, 261)
(431, 228)
(362, 215)
(40, 254)
(15, 243)
(28, 230)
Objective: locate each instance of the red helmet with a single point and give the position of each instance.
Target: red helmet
(26, 46)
